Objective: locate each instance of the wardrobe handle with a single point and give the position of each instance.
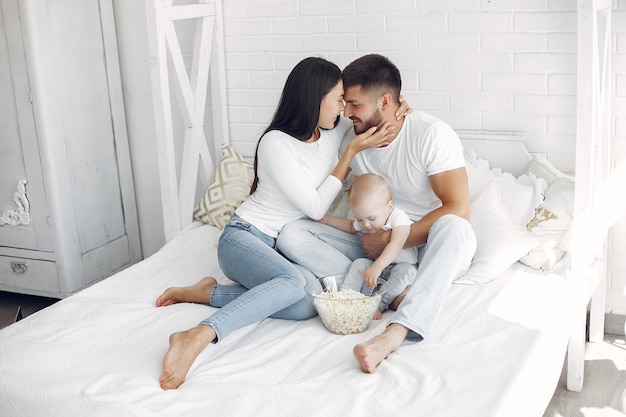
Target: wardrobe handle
(19, 267)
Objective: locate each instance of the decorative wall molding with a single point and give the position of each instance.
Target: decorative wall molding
(21, 215)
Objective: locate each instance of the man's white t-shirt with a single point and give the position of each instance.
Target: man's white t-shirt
(396, 218)
(424, 146)
(294, 179)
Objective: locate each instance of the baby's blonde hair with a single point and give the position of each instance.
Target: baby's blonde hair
(367, 187)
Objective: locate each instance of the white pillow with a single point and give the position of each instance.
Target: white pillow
(478, 173)
(519, 195)
(500, 240)
(230, 187)
(542, 168)
(553, 218)
(552, 224)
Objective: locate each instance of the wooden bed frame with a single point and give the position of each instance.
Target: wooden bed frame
(593, 154)
(178, 194)
(588, 276)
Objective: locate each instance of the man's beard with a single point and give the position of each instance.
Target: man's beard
(375, 120)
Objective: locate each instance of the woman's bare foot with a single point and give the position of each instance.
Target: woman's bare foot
(371, 353)
(184, 349)
(396, 301)
(200, 292)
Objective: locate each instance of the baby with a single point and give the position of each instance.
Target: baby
(371, 204)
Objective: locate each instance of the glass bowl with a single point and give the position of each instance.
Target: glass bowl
(345, 311)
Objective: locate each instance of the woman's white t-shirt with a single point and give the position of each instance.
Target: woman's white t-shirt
(294, 179)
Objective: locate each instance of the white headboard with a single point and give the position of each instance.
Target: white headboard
(503, 150)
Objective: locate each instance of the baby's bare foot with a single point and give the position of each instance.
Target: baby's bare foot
(378, 315)
(200, 292)
(184, 349)
(371, 353)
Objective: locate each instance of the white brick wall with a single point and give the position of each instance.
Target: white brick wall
(481, 64)
(478, 64)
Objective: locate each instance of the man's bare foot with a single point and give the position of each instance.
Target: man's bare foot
(371, 353)
(184, 349)
(200, 292)
(396, 301)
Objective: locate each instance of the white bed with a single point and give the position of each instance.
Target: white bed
(497, 348)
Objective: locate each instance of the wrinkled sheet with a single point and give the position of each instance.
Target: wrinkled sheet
(497, 350)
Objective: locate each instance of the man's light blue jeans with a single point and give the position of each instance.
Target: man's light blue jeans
(445, 256)
(271, 285)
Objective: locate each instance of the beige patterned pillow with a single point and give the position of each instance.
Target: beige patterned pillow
(229, 189)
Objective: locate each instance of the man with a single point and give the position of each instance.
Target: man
(425, 169)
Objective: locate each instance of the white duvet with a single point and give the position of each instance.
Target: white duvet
(497, 350)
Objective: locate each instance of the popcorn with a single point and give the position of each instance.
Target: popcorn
(346, 311)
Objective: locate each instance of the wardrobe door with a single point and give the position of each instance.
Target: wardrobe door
(23, 208)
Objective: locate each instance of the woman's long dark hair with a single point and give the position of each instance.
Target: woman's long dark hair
(298, 111)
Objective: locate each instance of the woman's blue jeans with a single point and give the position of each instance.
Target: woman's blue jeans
(271, 285)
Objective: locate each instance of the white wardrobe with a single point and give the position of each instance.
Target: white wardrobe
(67, 207)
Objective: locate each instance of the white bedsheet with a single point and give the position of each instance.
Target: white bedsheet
(497, 350)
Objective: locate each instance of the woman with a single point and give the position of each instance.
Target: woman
(296, 175)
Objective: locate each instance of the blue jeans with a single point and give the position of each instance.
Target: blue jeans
(445, 256)
(271, 286)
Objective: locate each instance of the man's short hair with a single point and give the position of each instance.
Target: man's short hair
(375, 74)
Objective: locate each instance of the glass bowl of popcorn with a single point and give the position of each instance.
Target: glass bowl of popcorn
(344, 310)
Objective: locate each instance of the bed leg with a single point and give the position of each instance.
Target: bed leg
(576, 351)
(18, 314)
(598, 305)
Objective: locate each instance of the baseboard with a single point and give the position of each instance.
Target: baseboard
(614, 324)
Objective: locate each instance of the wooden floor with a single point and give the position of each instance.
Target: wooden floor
(9, 304)
(604, 388)
(603, 394)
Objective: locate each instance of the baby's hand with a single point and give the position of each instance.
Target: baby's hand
(370, 276)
